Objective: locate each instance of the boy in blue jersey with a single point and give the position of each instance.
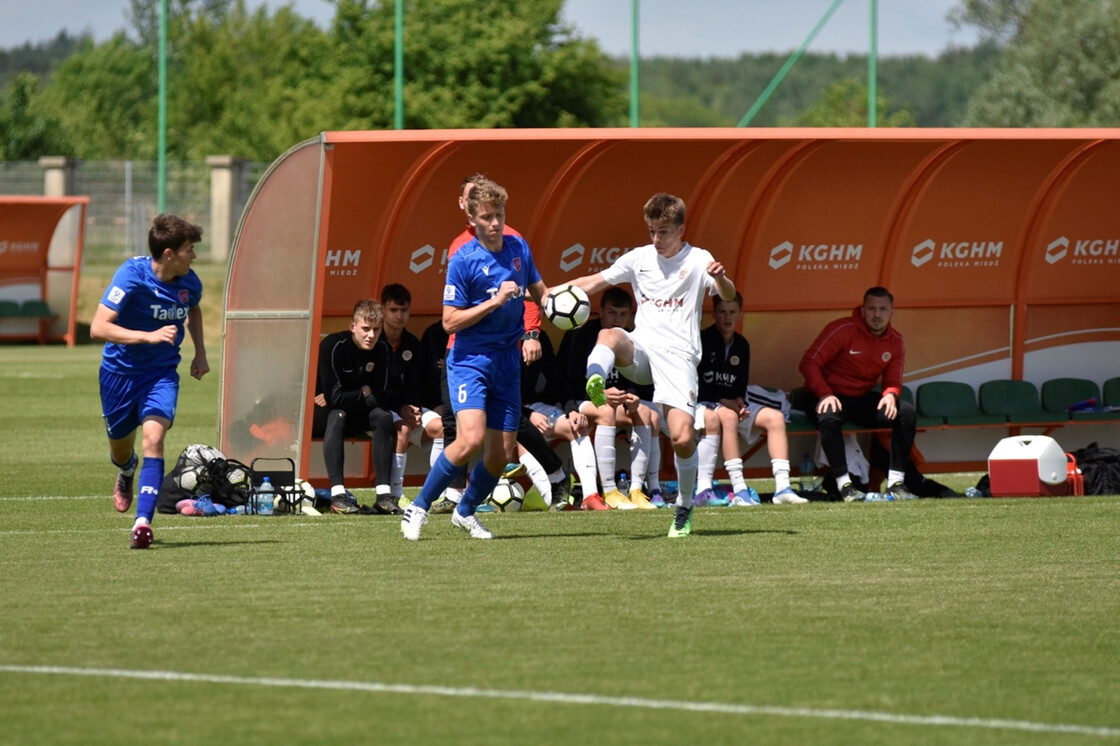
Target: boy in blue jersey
(483, 306)
(141, 319)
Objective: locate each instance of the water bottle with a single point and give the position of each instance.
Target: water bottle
(623, 483)
(266, 497)
(552, 418)
(805, 472)
(877, 497)
(973, 492)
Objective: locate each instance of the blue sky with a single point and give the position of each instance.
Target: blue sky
(684, 28)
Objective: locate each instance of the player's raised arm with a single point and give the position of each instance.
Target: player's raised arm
(724, 286)
(590, 284)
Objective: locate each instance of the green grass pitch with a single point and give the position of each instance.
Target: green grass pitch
(930, 622)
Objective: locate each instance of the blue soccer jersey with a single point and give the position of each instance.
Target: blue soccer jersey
(143, 302)
(474, 275)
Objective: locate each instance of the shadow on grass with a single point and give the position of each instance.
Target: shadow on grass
(725, 532)
(162, 544)
(615, 534)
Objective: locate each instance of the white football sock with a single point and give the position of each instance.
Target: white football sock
(686, 479)
(653, 470)
(537, 475)
(437, 449)
(706, 451)
(605, 455)
(583, 461)
(601, 361)
(735, 472)
(639, 455)
(780, 468)
(396, 474)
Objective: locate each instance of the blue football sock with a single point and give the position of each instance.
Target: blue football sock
(442, 473)
(151, 477)
(480, 486)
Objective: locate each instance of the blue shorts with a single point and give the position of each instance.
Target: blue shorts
(490, 382)
(126, 401)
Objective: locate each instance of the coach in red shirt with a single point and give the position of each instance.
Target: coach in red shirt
(841, 368)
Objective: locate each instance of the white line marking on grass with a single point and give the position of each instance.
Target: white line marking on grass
(578, 699)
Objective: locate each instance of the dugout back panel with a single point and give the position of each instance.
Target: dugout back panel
(1002, 247)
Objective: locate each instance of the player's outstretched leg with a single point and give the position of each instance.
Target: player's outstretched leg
(596, 390)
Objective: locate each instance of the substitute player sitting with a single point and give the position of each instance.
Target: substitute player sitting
(726, 415)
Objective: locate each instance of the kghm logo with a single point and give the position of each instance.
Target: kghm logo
(422, 258)
(1085, 251)
(816, 256)
(780, 255)
(597, 258)
(343, 263)
(1057, 250)
(957, 253)
(19, 247)
(571, 257)
(922, 253)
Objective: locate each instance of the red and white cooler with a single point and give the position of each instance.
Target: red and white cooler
(1028, 466)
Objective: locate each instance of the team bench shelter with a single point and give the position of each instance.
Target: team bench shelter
(1002, 247)
(41, 240)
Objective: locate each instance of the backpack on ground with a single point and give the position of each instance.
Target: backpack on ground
(1101, 469)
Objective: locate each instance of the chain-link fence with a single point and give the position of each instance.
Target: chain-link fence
(124, 199)
(21, 177)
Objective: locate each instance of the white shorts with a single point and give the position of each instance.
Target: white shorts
(673, 374)
(748, 433)
(417, 433)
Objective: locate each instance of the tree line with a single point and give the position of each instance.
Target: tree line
(253, 83)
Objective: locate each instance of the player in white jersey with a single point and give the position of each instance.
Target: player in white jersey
(670, 278)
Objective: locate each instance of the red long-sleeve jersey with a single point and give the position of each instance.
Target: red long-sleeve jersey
(846, 358)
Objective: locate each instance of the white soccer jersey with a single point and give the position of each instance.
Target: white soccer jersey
(669, 293)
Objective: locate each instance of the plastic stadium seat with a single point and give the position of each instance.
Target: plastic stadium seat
(1017, 400)
(922, 420)
(1059, 393)
(35, 309)
(9, 309)
(1111, 391)
(1111, 398)
(800, 398)
(956, 402)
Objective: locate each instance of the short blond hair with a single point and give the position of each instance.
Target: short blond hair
(370, 311)
(486, 191)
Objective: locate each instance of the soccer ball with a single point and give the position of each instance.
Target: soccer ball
(239, 479)
(567, 307)
(507, 496)
(195, 473)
